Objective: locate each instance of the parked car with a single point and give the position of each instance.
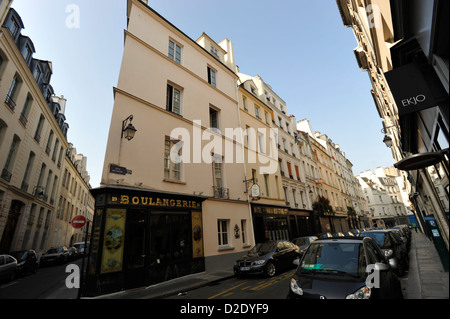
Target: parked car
(303, 242)
(8, 268)
(73, 253)
(267, 258)
(27, 261)
(336, 269)
(81, 249)
(324, 235)
(55, 255)
(406, 231)
(392, 248)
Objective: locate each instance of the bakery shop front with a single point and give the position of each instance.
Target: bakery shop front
(140, 238)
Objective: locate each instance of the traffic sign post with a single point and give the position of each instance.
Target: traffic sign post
(78, 221)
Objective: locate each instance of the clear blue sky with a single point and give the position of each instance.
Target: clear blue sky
(299, 47)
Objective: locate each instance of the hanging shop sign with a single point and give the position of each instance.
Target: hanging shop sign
(256, 191)
(410, 89)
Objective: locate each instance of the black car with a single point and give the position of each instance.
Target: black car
(392, 247)
(27, 261)
(335, 268)
(267, 258)
(303, 242)
(55, 255)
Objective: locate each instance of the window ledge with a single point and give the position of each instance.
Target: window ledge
(166, 180)
(225, 248)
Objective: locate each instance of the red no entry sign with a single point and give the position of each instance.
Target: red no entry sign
(78, 221)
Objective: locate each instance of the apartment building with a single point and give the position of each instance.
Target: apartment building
(74, 200)
(33, 145)
(403, 45)
(383, 195)
(172, 195)
(33, 138)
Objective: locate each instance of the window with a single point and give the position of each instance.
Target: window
(26, 110)
(214, 51)
(257, 112)
(172, 170)
(175, 52)
(37, 135)
(6, 173)
(213, 118)
(12, 92)
(266, 182)
(27, 172)
(244, 231)
(37, 73)
(217, 173)
(222, 229)
(244, 100)
(14, 28)
(266, 115)
(49, 142)
(261, 145)
(173, 102)
(211, 76)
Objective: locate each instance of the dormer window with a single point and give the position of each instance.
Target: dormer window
(27, 54)
(14, 28)
(214, 51)
(37, 73)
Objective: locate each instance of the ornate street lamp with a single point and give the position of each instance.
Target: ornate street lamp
(128, 131)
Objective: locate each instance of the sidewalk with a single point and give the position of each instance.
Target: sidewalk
(426, 276)
(171, 287)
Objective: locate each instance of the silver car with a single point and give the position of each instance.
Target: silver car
(8, 267)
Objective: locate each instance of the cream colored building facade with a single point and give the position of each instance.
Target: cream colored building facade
(33, 144)
(180, 93)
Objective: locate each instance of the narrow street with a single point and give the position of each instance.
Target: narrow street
(48, 283)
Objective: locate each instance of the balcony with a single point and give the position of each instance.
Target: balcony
(9, 101)
(6, 175)
(220, 192)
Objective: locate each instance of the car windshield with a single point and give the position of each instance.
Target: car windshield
(379, 237)
(337, 258)
(20, 255)
(52, 251)
(263, 248)
(302, 241)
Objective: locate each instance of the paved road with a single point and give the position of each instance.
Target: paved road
(251, 287)
(48, 283)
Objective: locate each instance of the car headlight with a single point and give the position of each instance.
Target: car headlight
(388, 252)
(259, 262)
(363, 293)
(295, 288)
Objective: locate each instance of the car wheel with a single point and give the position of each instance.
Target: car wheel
(270, 269)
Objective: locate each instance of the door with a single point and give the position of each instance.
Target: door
(136, 248)
(170, 245)
(10, 227)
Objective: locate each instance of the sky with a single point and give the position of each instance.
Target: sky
(299, 47)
